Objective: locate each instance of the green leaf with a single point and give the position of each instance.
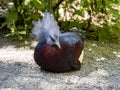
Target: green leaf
(26, 2)
(38, 1)
(13, 16)
(35, 16)
(38, 4)
(20, 37)
(10, 34)
(4, 24)
(20, 27)
(118, 25)
(71, 1)
(22, 32)
(12, 29)
(28, 18)
(77, 12)
(19, 8)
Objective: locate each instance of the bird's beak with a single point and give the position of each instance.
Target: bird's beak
(58, 44)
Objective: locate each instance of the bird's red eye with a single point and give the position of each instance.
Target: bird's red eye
(52, 39)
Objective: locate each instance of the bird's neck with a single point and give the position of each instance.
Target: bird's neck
(42, 44)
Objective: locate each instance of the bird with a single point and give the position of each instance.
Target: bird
(57, 51)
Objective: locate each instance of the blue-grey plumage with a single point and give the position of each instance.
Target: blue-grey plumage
(71, 37)
(46, 29)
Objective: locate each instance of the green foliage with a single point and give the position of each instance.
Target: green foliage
(99, 19)
(104, 34)
(20, 16)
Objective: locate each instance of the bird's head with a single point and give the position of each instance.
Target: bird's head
(53, 40)
(47, 29)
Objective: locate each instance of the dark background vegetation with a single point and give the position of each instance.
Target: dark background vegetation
(97, 19)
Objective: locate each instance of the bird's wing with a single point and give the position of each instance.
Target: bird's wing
(71, 38)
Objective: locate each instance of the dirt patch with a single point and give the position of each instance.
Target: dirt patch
(100, 69)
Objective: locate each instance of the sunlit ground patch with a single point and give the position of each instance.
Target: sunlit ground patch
(117, 54)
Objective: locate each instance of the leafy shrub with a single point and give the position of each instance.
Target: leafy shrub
(20, 16)
(99, 19)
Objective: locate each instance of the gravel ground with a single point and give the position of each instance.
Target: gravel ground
(100, 69)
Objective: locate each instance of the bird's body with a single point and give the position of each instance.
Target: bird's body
(59, 52)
